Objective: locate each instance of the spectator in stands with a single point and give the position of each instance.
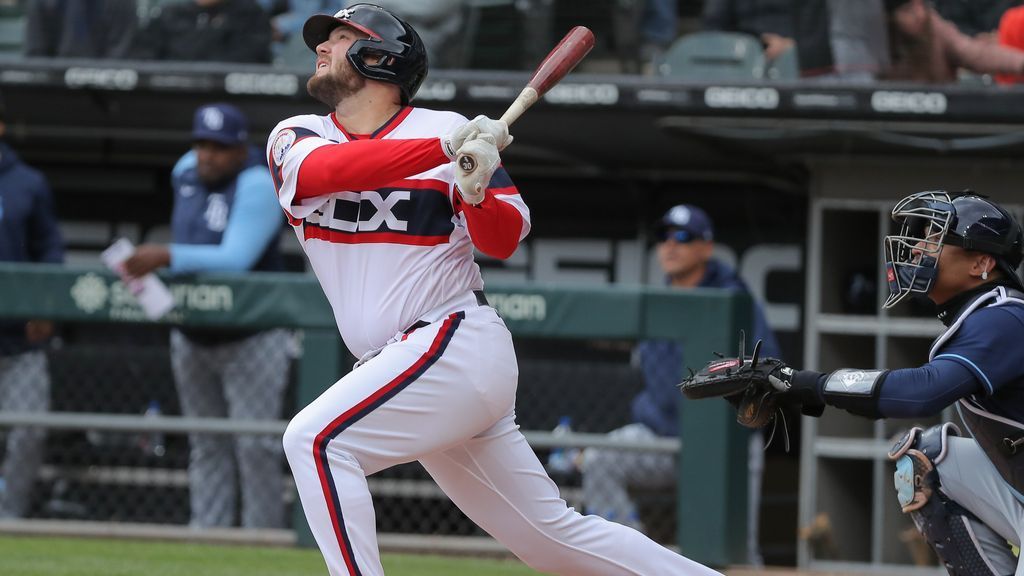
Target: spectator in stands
(769, 20)
(927, 48)
(1011, 34)
(438, 22)
(204, 30)
(226, 219)
(685, 242)
(859, 39)
(28, 233)
(978, 18)
(82, 29)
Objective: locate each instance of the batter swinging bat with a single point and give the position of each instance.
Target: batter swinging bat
(559, 62)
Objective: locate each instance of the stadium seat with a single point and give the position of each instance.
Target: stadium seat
(704, 56)
(784, 67)
(12, 34)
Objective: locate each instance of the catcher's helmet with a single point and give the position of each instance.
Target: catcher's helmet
(928, 220)
(404, 58)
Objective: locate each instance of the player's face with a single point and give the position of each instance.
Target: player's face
(334, 79)
(954, 276)
(679, 258)
(217, 163)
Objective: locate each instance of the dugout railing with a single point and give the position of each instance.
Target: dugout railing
(713, 449)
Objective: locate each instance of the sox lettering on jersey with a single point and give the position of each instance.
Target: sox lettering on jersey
(383, 214)
(413, 212)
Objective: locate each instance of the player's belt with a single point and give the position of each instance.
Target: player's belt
(481, 300)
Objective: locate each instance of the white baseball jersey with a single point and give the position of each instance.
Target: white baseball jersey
(389, 255)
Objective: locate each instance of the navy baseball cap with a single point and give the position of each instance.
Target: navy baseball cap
(222, 123)
(689, 218)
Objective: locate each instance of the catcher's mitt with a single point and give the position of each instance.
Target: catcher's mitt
(746, 382)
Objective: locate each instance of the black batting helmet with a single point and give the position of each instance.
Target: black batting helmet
(404, 58)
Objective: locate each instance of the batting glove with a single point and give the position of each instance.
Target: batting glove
(496, 129)
(472, 184)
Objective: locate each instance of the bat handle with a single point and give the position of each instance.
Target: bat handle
(525, 99)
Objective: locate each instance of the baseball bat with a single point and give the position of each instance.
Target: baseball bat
(573, 47)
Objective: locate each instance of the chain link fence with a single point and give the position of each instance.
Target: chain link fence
(143, 476)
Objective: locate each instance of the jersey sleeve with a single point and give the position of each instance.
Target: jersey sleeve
(983, 346)
(501, 221)
(289, 144)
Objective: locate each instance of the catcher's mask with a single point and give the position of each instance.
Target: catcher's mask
(928, 221)
(402, 55)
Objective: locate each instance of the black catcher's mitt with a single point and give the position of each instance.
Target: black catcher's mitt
(743, 381)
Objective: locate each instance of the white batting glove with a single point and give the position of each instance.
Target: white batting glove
(497, 129)
(472, 185)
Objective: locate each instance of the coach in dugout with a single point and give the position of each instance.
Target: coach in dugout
(226, 219)
(28, 233)
(684, 245)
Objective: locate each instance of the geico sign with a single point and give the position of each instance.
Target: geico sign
(583, 94)
(249, 83)
(110, 78)
(909, 102)
(731, 97)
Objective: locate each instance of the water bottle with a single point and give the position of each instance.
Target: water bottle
(562, 460)
(153, 442)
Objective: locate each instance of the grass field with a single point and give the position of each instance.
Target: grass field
(23, 556)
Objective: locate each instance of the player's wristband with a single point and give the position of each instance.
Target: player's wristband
(855, 390)
(448, 147)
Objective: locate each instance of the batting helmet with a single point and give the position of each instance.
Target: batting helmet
(403, 58)
(928, 220)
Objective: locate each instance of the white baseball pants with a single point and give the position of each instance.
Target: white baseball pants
(445, 396)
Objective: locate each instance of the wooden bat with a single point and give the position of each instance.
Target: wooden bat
(573, 47)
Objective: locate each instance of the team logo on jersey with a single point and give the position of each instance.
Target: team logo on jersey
(413, 212)
(216, 214)
(282, 144)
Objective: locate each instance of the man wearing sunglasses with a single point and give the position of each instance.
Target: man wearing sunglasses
(685, 242)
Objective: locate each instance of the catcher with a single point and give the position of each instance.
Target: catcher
(964, 494)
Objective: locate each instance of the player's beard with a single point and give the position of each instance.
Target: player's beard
(335, 86)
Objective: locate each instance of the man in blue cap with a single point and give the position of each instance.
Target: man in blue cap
(226, 219)
(685, 242)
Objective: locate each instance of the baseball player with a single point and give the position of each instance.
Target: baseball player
(389, 225)
(965, 495)
(225, 220)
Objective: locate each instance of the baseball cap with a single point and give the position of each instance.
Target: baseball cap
(221, 123)
(689, 218)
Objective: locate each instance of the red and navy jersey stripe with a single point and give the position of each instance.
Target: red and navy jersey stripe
(355, 414)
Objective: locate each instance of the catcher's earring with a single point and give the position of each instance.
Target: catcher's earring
(984, 274)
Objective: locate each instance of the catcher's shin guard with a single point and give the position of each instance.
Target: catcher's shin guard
(944, 523)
